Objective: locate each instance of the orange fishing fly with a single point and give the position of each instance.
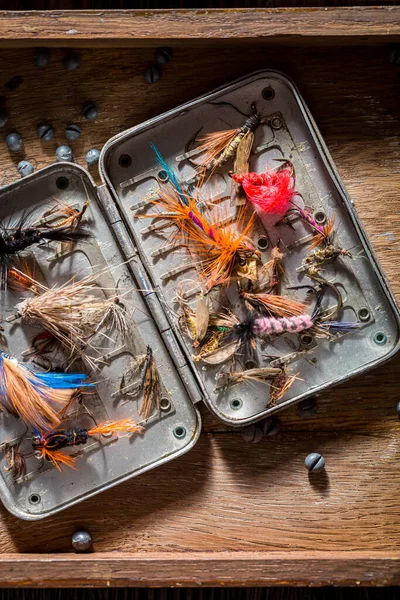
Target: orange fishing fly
(218, 248)
(49, 446)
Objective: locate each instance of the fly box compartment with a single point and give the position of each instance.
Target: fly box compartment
(115, 360)
(355, 291)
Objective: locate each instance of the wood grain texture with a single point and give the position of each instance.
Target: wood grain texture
(141, 27)
(229, 513)
(230, 496)
(202, 569)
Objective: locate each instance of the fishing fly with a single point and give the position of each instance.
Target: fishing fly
(215, 149)
(270, 193)
(16, 460)
(71, 313)
(150, 384)
(50, 445)
(14, 240)
(217, 249)
(37, 398)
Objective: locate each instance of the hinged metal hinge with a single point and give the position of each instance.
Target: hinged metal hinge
(150, 295)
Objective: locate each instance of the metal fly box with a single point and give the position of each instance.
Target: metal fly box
(103, 462)
(147, 268)
(132, 176)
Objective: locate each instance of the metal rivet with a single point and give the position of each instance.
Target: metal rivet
(250, 364)
(320, 216)
(270, 426)
(81, 541)
(92, 157)
(268, 93)
(34, 498)
(14, 142)
(252, 433)
(179, 432)
(165, 404)
(314, 462)
(41, 57)
(62, 183)
(45, 133)
(152, 74)
(398, 408)
(125, 161)
(71, 61)
(64, 153)
(306, 339)
(262, 243)
(72, 132)
(276, 123)
(25, 168)
(90, 111)
(380, 338)
(3, 117)
(163, 55)
(364, 314)
(236, 403)
(163, 176)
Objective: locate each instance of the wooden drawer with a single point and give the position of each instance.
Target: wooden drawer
(230, 512)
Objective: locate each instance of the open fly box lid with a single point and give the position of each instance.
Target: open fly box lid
(132, 176)
(40, 490)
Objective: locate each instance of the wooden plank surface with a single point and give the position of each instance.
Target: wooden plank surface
(139, 27)
(203, 569)
(229, 500)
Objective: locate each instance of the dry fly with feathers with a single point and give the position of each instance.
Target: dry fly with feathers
(148, 384)
(72, 314)
(50, 446)
(37, 398)
(218, 249)
(14, 240)
(280, 381)
(216, 148)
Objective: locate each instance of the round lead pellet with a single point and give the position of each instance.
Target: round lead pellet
(72, 132)
(45, 133)
(163, 55)
(14, 142)
(90, 111)
(64, 153)
(41, 57)
(314, 462)
(25, 168)
(71, 61)
(81, 541)
(152, 74)
(3, 117)
(92, 157)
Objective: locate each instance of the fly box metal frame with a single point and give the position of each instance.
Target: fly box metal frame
(138, 265)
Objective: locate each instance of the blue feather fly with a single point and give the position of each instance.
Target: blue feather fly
(37, 398)
(172, 176)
